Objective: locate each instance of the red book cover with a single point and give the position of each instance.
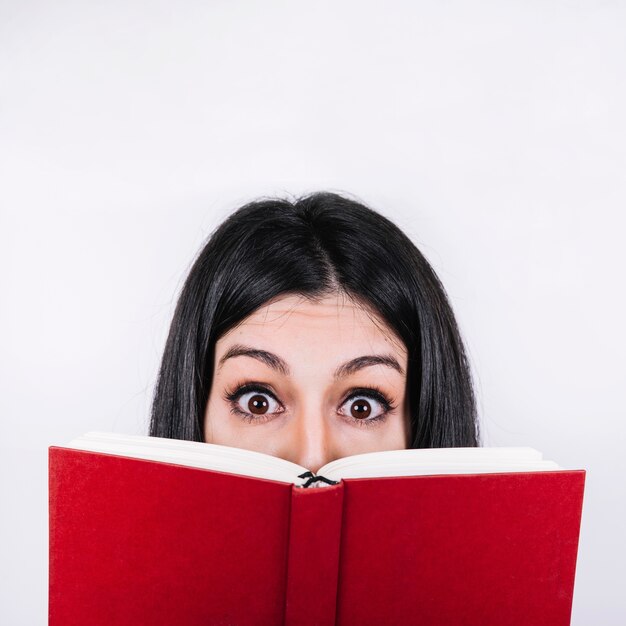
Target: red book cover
(134, 541)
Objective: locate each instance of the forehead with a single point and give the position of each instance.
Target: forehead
(335, 318)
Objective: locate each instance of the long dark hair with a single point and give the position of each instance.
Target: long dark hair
(318, 244)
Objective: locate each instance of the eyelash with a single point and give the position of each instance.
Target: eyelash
(372, 392)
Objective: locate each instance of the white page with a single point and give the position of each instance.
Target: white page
(424, 461)
(192, 454)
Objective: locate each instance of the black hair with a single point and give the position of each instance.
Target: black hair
(315, 245)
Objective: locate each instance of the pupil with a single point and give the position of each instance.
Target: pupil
(256, 404)
(361, 409)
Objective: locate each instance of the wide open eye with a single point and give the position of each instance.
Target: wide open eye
(367, 405)
(257, 403)
(254, 403)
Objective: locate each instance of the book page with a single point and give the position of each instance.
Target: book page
(191, 454)
(428, 461)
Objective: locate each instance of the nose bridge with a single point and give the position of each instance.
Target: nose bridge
(313, 444)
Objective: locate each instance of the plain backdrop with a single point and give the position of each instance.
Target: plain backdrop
(492, 133)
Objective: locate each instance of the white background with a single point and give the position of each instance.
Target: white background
(493, 133)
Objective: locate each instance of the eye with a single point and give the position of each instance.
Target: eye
(365, 406)
(254, 403)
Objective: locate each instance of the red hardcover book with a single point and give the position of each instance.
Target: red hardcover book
(142, 541)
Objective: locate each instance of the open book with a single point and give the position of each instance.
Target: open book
(162, 531)
(373, 464)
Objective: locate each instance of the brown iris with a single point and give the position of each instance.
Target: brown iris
(257, 404)
(360, 409)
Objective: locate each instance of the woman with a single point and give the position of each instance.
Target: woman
(312, 330)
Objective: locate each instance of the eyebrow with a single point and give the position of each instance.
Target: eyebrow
(280, 366)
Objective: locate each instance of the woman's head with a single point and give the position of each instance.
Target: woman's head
(315, 282)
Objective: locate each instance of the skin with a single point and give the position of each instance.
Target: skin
(307, 416)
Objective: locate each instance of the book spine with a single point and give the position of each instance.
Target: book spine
(313, 558)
